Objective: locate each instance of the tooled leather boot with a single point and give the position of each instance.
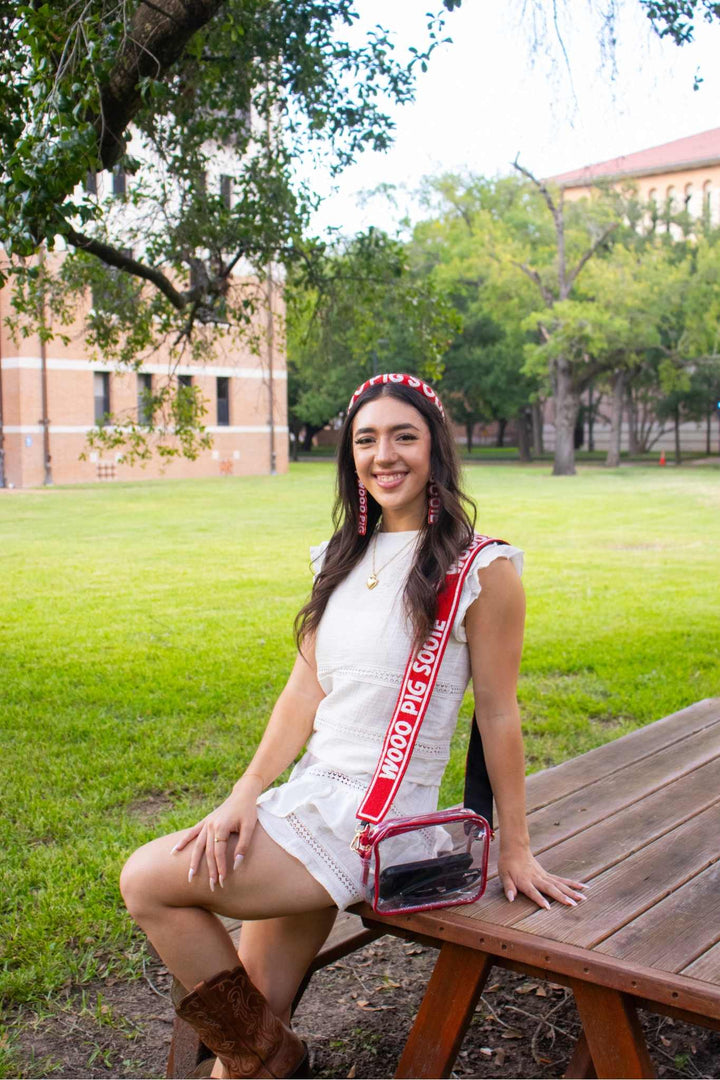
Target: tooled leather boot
(234, 1020)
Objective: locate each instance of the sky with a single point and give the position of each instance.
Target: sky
(490, 96)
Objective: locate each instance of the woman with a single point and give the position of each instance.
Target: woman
(281, 861)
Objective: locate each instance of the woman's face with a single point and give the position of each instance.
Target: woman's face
(391, 447)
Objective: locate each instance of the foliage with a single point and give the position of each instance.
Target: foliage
(375, 311)
(201, 109)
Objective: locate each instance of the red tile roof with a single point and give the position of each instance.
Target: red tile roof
(692, 151)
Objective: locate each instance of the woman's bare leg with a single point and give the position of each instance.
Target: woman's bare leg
(276, 953)
(178, 918)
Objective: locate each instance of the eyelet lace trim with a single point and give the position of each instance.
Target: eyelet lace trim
(323, 854)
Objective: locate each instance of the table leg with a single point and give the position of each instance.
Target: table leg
(580, 1066)
(612, 1029)
(445, 1013)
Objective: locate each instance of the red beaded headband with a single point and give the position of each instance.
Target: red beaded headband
(404, 380)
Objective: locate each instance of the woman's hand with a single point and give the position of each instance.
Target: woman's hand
(519, 871)
(238, 814)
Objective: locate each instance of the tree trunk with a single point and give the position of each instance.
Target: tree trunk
(616, 414)
(524, 422)
(676, 418)
(633, 448)
(591, 419)
(469, 429)
(567, 406)
(538, 421)
(707, 435)
(310, 433)
(500, 440)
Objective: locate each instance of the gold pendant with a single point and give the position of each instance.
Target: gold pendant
(372, 581)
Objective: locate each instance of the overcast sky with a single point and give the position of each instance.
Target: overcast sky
(489, 96)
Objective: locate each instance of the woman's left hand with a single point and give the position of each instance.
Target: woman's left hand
(519, 871)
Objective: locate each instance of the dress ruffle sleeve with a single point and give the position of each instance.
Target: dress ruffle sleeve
(472, 587)
(317, 557)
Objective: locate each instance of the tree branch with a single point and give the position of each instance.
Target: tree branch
(112, 257)
(534, 276)
(559, 219)
(589, 254)
(155, 39)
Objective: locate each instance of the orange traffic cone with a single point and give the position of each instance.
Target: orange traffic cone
(662, 457)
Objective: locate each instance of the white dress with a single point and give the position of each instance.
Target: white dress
(361, 650)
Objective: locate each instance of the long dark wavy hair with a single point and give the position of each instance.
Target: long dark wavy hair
(440, 544)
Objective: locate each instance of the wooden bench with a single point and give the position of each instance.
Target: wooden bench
(639, 820)
(187, 1053)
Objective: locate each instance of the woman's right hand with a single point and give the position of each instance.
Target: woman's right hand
(238, 814)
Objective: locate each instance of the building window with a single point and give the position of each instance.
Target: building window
(688, 196)
(185, 380)
(91, 182)
(101, 388)
(144, 405)
(226, 190)
(119, 182)
(707, 201)
(223, 400)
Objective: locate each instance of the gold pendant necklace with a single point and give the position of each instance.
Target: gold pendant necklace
(373, 578)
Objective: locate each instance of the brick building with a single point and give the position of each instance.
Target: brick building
(680, 175)
(49, 403)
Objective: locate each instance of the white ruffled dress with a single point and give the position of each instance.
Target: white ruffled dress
(361, 651)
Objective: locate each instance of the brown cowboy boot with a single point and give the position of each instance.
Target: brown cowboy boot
(234, 1020)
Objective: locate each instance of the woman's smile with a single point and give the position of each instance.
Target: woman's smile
(391, 447)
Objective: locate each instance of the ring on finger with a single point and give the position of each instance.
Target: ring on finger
(220, 840)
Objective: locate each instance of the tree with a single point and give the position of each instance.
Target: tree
(198, 109)
(460, 244)
(375, 309)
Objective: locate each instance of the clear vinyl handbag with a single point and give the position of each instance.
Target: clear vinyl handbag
(425, 861)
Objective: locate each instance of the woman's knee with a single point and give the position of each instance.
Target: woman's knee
(138, 883)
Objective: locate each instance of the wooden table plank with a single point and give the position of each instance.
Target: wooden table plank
(589, 853)
(707, 966)
(551, 784)
(626, 890)
(554, 958)
(672, 933)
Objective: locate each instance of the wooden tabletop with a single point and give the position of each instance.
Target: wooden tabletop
(639, 820)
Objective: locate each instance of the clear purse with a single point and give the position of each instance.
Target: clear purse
(427, 861)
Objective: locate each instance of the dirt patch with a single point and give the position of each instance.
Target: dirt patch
(355, 1017)
(149, 808)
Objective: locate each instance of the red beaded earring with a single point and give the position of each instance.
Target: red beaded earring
(363, 513)
(434, 504)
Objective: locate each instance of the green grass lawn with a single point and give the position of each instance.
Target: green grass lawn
(147, 628)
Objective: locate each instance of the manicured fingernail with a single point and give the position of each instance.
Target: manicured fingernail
(191, 874)
(212, 884)
(173, 850)
(511, 896)
(571, 901)
(238, 859)
(221, 879)
(546, 905)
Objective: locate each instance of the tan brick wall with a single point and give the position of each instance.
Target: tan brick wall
(241, 448)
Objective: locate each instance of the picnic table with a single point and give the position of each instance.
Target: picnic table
(639, 820)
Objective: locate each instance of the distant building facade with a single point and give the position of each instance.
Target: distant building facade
(50, 398)
(682, 175)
